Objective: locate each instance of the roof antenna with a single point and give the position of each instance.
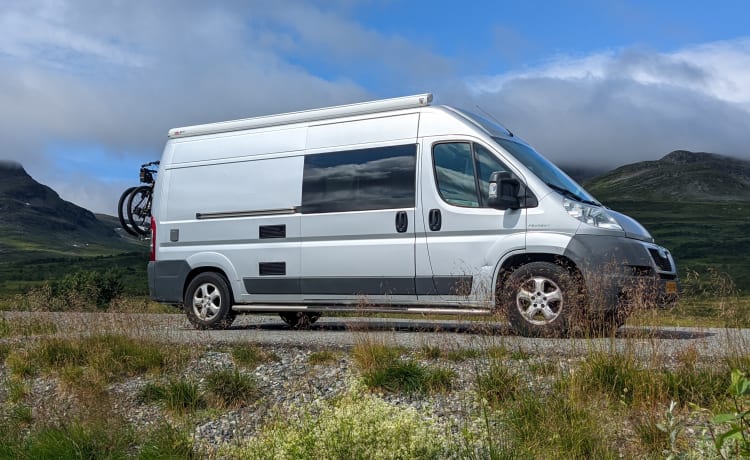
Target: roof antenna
(510, 133)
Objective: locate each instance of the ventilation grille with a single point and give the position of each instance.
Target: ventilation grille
(272, 268)
(272, 231)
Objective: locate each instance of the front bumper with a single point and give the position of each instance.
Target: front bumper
(622, 271)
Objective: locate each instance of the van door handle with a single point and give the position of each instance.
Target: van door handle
(435, 220)
(402, 221)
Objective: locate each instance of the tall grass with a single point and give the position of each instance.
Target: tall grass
(382, 367)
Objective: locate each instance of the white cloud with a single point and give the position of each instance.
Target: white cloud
(617, 107)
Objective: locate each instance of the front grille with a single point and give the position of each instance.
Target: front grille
(662, 262)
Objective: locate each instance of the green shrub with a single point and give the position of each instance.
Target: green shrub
(231, 388)
(82, 290)
(355, 427)
(733, 437)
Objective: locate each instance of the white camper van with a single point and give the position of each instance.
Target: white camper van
(393, 205)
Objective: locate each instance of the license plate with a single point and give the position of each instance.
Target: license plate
(671, 287)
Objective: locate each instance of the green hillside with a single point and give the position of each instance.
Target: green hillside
(680, 175)
(43, 237)
(695, 204)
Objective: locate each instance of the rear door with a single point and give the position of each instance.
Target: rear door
(465, 239)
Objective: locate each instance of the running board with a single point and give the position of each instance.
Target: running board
(255, 308)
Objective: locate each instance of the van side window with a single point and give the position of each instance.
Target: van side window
(459, 171)
(360, 180)
(454, 172)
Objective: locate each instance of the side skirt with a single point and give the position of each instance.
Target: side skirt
(257, 308)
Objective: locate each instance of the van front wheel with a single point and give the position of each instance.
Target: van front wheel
(539, 299)
(208, 302)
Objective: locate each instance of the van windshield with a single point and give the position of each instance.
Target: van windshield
(545, 170)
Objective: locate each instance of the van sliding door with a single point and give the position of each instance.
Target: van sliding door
(358, 215)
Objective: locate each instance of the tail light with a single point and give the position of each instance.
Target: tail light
(152, 256)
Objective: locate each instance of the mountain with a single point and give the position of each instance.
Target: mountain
(36, 222)
(680, 175)
(696, 204)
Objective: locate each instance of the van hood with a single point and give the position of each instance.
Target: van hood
(632, 228)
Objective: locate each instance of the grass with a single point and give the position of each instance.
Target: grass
(323, 357)
(25, 327)
(177, 395)
(231, 389)
(250, 355)
(497, 384)
(383, 368)
(605, 402)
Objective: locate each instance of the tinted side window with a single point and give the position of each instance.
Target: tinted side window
(454, 173)
(359, 180)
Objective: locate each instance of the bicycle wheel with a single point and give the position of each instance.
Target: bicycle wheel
(122, 212)
(139, 210)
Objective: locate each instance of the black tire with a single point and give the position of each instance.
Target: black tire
(122, 211)
(139, 210)
(542, 299)
(298, 319)
(208, 302)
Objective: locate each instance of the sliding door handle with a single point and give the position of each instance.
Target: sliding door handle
(402, 221)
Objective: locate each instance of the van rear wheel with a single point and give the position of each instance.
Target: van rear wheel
(540, 299)
(208, 302)
(298, 319)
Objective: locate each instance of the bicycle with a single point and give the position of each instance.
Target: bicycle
(138, 208)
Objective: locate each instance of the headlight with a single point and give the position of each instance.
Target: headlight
(595, 216)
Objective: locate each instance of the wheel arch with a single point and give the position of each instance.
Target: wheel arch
(211, 262)
(514, 261)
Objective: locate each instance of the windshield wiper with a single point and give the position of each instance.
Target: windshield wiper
(569, 194)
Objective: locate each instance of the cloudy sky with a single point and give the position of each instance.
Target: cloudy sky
(89, 89)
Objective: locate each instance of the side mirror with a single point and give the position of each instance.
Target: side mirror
(507, 192)
(503, 191)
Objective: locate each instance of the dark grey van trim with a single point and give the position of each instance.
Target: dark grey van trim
(610, 265)
(426, 285)
(166, 278)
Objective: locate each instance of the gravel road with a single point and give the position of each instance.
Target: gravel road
(343, 332)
